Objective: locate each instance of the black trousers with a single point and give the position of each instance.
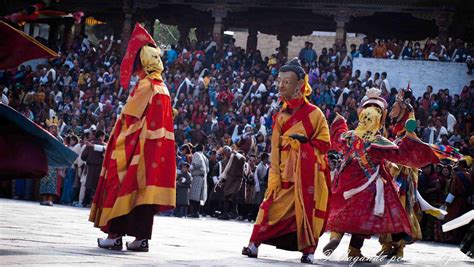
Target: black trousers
(194, 205)
(88, 196)
(138, 223)
(181, 211)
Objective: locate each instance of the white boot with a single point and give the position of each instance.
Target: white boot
(138, 245)
(307, 258)
(110, 243)
(250, 251)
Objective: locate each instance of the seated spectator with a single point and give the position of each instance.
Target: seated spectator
(407, 52)
(380, 50)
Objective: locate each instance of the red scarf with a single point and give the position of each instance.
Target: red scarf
(294, 103)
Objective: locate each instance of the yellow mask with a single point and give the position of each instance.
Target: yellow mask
(151, 62)
(369, 123)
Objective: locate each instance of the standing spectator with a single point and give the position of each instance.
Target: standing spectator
(67, 196)
(431, 189)
(354, 52)
(429, 133)
(183, 184)
(171, 56)
(364, 48)
(380, 50)
(459, 190)
(377, 80)
(407, 52)
(210, 205)
(367, 81)
(247, 142)
(261, 181)
(450, 120)
(418, 52)
(217, 193)
(249, 186)
(199, 170)
(440, 130)
(230, 180)
(384, 84)
(309, 55)
(93, 155)
(302, 54)
(324, 60)
(50, 184)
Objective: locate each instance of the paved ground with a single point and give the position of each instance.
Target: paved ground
(31, 234)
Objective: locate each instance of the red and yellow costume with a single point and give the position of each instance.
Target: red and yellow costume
(292, 217)
(364, 200)
(139, 166)
(406, 179)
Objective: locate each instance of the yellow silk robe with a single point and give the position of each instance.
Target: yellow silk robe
(293, 213)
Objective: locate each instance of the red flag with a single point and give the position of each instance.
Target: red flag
(17, 47)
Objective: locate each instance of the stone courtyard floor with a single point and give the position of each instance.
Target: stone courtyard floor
(31, 234)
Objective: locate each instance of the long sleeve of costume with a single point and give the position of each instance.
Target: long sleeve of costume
(137, 102)
(274, 176)
(321, 137)
(338, 127)
(410, 153)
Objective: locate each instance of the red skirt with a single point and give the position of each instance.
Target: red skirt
(355, 215)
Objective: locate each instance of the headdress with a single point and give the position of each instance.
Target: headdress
(373, 98)
(407, 121)
(139, 38)
(52, 122)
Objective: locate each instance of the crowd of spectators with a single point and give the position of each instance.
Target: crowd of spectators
(455, 51)
(226, 100)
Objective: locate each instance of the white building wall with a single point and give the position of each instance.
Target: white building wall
(440, 75)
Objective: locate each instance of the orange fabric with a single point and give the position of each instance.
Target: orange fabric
(140, 164)
(380, 51)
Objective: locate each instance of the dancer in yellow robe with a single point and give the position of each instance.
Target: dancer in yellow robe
(293, 213)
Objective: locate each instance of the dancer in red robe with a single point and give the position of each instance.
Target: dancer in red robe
(138, 174)
(363, 198)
